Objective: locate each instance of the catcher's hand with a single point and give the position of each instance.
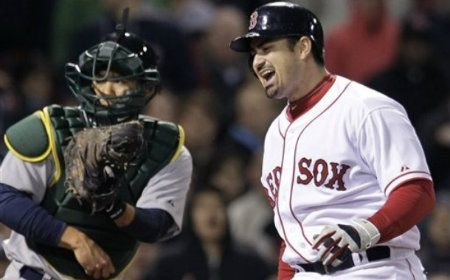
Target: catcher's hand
(97, 158)
(336, 242)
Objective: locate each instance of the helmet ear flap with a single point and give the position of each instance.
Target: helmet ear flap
(151, 89)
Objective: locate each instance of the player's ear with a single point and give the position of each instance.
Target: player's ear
(304, 47)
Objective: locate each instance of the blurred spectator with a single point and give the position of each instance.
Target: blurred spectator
(9, 105)
(225, 70)
(246, 6)
(146, 255)
(251, 215)
(36, 84)
(193, 16)
(436, 252)
(200, 120)
(164, 106)
(363, 45)
(207, 251)
(434, 131)
(415, 80)
(68, 19)
(21, 83)
(434, 16)
(254, 113)
(226, 172)
(169, 42)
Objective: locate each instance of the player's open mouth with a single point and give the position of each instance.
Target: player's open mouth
(266, 76)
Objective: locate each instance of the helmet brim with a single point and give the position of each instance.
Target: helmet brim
(242, 43)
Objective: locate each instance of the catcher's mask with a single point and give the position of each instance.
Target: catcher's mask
(126, 56)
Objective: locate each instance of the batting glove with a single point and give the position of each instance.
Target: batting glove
(336, 242)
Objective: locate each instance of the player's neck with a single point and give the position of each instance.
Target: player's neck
(302, 105)
(310, 80)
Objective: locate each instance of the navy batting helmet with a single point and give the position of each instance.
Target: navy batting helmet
(282, 19)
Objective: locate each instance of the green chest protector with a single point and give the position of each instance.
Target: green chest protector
(51, 130)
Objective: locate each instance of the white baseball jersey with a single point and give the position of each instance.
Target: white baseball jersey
(336, 162)
(165, 190)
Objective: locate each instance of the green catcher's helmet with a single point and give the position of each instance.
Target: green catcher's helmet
(129, 58)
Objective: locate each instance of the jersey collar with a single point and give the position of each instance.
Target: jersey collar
(299, 107)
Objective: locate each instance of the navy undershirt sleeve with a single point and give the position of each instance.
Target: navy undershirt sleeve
(149, 225)
(21, 214)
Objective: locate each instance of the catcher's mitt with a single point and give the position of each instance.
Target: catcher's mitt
(97, 158)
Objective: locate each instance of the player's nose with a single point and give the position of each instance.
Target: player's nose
(107, 88)
(116, 89)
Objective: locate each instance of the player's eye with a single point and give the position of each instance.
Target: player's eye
(266, 48)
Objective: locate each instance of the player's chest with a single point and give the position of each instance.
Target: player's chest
(310, 158)
(311, 143)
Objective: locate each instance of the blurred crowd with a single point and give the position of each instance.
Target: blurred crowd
(400, 50)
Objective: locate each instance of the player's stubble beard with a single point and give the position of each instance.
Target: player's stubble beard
(291, 86)
(276, 91)
(279, 89)
(273, 91)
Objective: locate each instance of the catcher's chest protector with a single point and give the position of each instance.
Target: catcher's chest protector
(54, 128)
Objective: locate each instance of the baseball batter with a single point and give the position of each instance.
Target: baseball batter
(55, 235)
(343, 167)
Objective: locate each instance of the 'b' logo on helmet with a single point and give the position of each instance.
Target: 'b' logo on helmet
(253, 20)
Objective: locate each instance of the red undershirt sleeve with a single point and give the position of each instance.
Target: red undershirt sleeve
(285, 272)
(400, 212)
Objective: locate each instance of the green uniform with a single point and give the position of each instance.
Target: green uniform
(51, 130)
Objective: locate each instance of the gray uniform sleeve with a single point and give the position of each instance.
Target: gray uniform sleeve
(31, 178)
(167, 190)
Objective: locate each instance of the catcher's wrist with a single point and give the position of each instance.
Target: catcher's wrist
(116, 210)
(71, 238)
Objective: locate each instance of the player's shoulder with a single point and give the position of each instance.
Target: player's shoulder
(167, 132)
(184, 156)
(165, 126)
(29, 138)
(156, 121)
(361, 97)
(34, 137)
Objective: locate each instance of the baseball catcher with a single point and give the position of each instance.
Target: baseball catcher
(88, 183)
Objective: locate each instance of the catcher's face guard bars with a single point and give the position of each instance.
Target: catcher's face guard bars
(110, 59)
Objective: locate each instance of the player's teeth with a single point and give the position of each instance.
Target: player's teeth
(266, 74)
